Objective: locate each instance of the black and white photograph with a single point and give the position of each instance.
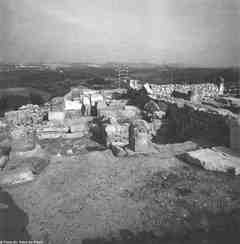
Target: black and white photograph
(119, 122)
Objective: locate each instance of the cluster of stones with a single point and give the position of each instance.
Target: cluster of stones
(23, 124)
(204, 90)
(27, 115)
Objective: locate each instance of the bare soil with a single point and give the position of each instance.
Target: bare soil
(95, 197)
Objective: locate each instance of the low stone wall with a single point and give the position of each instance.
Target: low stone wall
(235, 134)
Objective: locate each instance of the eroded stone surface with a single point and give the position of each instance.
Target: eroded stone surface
(139, 136)
(216, 159)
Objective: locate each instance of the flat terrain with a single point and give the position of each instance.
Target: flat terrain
(95, 197)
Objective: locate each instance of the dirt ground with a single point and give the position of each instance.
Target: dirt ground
(98, 198)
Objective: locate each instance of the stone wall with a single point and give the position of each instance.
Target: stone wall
(139, 136)
(203, 89)
(235, 134)
(187, 120)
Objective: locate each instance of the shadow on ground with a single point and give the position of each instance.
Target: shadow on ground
(219, 229)
(13, 220)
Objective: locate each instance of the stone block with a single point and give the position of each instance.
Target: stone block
(139, 136)
(3, 161)
(15, 177)
(117, 150)
(56, 116)
(74, 135)
(72, 105)
(49, 135)
(215, 159)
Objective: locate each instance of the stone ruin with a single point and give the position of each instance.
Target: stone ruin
(235, 134)
(204, 90)
(23, 139)
(139, 136)
(198, 112)
(27, 115)
(194, 111)
(22, 126)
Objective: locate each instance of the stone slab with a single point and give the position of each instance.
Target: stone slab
(16, 177)
(74, 135)
(215, 159)
(49, 135)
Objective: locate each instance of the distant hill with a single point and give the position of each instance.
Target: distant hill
(13, 98)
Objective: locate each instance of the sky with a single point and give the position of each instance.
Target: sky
(189, 32)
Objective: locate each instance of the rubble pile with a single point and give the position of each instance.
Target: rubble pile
(27, 115)
(23, 124)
